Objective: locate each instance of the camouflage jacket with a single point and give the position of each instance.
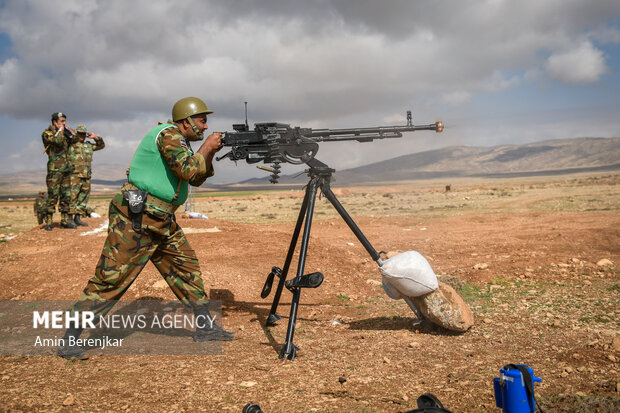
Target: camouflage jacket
(181, 159)
(40, 204)
(81, 156)
(56, 146)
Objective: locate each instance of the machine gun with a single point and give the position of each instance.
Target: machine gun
(276, 143)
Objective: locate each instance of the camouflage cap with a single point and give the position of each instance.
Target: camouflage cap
(81, 129)
(58, 115)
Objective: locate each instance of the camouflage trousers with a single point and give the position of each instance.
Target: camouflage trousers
(80, 191)
(41, 217)
(58, 188)
(126, 252)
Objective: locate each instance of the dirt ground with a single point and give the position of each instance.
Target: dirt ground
(526, 255)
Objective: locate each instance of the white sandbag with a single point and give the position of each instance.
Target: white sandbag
(390, 290)
(197, 215)
(408, 274)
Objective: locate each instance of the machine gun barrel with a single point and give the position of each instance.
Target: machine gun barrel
(368, 134)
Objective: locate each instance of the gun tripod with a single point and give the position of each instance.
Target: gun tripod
(320, 176)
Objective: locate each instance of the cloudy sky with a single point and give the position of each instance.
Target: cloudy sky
(495, 72)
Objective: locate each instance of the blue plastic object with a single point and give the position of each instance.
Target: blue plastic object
(511, 394)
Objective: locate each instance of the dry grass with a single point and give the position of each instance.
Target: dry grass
(422, 200)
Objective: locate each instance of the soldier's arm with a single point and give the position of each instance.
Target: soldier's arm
(200, 179)
(52, 138)
(99, 143)
(187, 167)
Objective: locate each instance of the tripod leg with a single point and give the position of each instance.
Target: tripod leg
(273, 317)
(415, 309)
(289, 349)
(327, 191)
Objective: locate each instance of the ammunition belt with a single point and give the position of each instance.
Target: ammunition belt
(152, 200)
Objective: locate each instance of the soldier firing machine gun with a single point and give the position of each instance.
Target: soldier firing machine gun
(275, 143)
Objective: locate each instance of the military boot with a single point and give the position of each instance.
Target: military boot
(48, 222)
(69, 349)
(206, 329)
(66, 221)
(78, 221)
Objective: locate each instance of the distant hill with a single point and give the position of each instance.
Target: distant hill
(108, 178)
(552, 157)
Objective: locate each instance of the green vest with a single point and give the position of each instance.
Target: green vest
(149, 171)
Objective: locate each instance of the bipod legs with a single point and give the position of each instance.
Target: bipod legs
(281, 273)
(300, 281)
(289, 349)
(313, 280)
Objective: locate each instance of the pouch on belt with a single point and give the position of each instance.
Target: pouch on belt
(136, 199)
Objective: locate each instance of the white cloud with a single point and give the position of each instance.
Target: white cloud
(303, 60)
(118, 66)
(457, 97)
(583, 64)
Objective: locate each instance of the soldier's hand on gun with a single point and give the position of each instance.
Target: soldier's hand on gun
(211, 145)
(214, 141)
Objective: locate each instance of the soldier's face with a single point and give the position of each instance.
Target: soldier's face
(59, 122)
(200, 122)
(81, 136)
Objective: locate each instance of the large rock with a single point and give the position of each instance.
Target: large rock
(446, 308)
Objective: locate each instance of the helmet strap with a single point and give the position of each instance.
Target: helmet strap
(199, 135)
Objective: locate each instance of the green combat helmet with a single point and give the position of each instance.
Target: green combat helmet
(81, 129)
(188, 107)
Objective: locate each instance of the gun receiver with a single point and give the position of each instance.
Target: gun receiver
(275, 143)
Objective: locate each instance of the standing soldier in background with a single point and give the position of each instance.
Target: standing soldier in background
(80, 159)
(40, 207)
(56, 140)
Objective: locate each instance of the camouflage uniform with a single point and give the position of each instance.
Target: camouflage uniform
(80, 159)
(40, 207)
(58, 178)
(161, 240)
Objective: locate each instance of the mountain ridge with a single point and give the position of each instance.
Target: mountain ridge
(549, 157)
